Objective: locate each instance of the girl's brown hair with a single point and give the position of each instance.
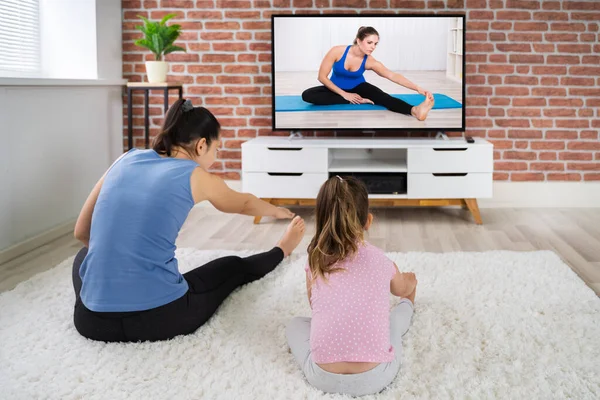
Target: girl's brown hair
(183, 126)
(363, 32)
(342, 211)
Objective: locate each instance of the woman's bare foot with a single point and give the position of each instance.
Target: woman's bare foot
(292, 236)
(420, 112)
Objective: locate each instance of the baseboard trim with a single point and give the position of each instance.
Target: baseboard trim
(543, 195)
(525, 195)
(33, 243)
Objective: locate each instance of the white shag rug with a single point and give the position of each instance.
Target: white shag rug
(487, 325)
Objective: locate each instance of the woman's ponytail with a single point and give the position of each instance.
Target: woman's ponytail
(184, 124)
(363, 32)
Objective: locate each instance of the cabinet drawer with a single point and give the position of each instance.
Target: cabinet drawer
(449, 186)
(284, 159)
(444, 159)
(282, 185)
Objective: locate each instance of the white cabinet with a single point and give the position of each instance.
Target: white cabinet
(397, 171)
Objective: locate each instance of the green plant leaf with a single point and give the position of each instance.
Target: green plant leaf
(159, 45)
(158, 37)
(146, 44)
(171, 49)
(172, 33)
(166, 18)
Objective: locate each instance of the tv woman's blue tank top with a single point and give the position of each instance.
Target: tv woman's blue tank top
(345, 79)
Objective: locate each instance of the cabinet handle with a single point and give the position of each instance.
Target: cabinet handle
(285, 173)
(451, 174)
(284, 148)
(447, 149)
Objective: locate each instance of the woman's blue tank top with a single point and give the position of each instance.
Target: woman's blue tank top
(345, 79)
(131, 264)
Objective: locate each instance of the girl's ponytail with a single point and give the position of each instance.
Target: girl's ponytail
(342, 211)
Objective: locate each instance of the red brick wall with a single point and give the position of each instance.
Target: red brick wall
(532, 70)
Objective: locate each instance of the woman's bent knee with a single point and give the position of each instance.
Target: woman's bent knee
(307, 97)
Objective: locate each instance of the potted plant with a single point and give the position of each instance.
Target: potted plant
(159, 39)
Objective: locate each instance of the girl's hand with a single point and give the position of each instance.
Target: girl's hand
(410, 282)
(354, 98)
(283, 213)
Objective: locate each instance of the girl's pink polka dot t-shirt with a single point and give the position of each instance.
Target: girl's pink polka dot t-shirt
(351, 311)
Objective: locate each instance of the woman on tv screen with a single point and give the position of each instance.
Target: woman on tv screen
(347, 84)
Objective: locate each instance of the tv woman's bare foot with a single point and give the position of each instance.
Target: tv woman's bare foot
(420, 112)
(292, 236)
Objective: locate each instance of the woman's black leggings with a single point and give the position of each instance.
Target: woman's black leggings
(209, 286)
(321, 96)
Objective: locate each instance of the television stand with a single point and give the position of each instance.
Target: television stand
(398, 172)
(441, 135)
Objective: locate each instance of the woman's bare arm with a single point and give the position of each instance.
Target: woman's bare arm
(206, 186)
(327, 66)
(382, 71)
(83, 225)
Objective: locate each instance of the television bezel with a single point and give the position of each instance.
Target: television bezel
(369, 15)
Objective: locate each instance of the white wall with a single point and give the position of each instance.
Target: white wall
(58, 137)
(405, 43)
(57, 142)
(68, 38)
(109, 39)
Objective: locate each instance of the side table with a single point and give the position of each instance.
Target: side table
(146, 88)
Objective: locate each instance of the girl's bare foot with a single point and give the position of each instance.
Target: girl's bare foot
(420, 112)
(292, 236)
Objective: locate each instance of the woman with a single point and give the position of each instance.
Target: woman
(348, 85)
(127, 284)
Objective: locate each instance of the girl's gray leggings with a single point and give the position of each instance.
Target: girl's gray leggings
(369, 382)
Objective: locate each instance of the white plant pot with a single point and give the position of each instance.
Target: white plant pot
(157, 71)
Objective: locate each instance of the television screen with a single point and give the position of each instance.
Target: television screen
(368, 72)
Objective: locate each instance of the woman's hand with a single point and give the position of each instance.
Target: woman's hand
(283, 213)
(425, 93)
(355, 98)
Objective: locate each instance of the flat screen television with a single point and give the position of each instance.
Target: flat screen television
(368, 72)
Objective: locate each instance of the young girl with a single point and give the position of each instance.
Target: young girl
(353, 343)
(127, 283)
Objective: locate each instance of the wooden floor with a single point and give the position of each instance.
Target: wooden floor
(294, 83)
(574, 234)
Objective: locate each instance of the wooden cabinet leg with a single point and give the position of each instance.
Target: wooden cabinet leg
(474, 208)
(259, 217)
(464, 204)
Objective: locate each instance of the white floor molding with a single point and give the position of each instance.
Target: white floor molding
(526, 195)
(488, 325)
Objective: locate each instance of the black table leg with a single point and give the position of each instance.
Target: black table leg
(180, 92)
(147, 116)
(166, 100)
(129, 118)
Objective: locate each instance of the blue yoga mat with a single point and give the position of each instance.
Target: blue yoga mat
(295, 103)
